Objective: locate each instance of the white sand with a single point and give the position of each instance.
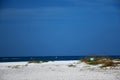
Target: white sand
(56, 70)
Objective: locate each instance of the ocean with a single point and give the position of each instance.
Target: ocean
(42, 58)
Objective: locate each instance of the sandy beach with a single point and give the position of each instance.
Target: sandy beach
(56, 70)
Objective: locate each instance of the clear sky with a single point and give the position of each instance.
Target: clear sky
(59, 27)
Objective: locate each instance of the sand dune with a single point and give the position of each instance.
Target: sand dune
(56, 70)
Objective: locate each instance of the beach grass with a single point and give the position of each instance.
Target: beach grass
(71, 65)
(38, 61)
(105, 61)
(34, 61)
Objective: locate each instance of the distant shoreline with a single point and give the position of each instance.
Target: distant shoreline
(48, 58)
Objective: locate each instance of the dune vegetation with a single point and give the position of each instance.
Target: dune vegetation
(105, 61)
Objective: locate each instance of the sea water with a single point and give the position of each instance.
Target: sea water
(49, 58)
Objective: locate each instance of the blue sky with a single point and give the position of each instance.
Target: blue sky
(59, 27)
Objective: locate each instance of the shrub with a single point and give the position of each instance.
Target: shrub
(117, 62)
(109, 64)
(100, 60)
(93, 62)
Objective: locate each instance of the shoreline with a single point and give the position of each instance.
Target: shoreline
(49, 58)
